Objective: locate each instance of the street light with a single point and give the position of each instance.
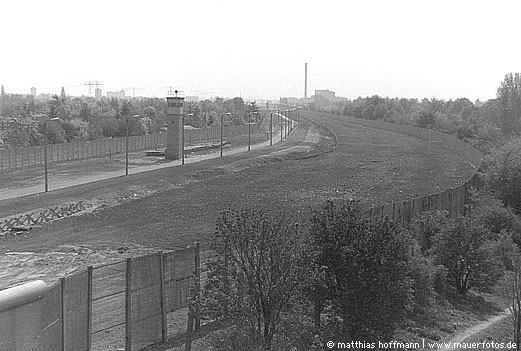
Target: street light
(45, 151)
(249, 130)
(286, 124)
(183, 139)
(126, 145)
(271, 129)
(280, 120)
(222, 116)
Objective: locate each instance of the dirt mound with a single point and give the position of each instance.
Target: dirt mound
(317, 140)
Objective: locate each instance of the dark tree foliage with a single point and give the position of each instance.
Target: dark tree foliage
(509, 96)
(503, 176)
(368, 269)
(464, 247)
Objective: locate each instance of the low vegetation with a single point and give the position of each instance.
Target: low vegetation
(339, 277)
(380, 281)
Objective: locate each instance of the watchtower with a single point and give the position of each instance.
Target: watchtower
(174, 118)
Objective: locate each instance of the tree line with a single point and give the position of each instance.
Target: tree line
(23, 117)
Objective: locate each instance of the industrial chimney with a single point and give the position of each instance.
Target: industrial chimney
(305, 80)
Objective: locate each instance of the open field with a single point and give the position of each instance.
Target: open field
(173, 207)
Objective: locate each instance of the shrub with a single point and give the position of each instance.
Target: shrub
(503, 176)
(463, 247)
(262, 265)
(370, 269)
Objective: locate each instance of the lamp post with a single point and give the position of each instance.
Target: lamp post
(45, 151)
(280, 120)
(183, 138)
(271, 129)
(249, 132)
(289, 121)
(249, 129)
(286, 124)
(222, 117)
(126, 145)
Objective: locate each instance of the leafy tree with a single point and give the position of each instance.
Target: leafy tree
(368, 269)
(261, 266)
(511, 288)
(238, 103)
(509, 96)
(463, 247)
(503, 176)
(426, 119)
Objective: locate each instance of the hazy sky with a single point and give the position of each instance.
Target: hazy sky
(257, 49)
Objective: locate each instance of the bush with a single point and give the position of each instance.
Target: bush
(426, 226)
(503, 176)
(261, 268)
(495, 216)
(463, 246)
(371, 268)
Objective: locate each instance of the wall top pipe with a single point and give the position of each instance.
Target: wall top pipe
(16, 296)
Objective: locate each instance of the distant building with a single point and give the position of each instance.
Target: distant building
(98, 93)
(116, 94)
(192, 98)
(289, 101)
(33, 91)
(326, 94)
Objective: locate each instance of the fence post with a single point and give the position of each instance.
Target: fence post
(62, 312)
(89, 307)
(164, 325)
(128, 305)
(197, 262)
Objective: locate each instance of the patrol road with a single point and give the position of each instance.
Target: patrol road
(172, 207)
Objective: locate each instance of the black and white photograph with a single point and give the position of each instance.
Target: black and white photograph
(225, 175)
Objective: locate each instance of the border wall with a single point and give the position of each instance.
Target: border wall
(452, 200)
(27, 156)
(122, 305)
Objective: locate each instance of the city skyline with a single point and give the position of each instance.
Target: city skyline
(406, 49)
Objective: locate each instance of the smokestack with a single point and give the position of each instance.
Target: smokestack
(306, 80)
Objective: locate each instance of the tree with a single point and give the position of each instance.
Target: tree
(463, 247)
(509, 96)
(503, 176)
(511, 286)
(369, 268)
(261, 266)
(2, 91)
(62, 94)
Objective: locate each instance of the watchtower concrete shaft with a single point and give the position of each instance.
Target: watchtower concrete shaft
(174, 117)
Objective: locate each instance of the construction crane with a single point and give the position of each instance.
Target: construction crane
(91, 83)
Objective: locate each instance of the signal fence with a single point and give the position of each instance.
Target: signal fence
(452, 200)
(121, 305)
(26, 156)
